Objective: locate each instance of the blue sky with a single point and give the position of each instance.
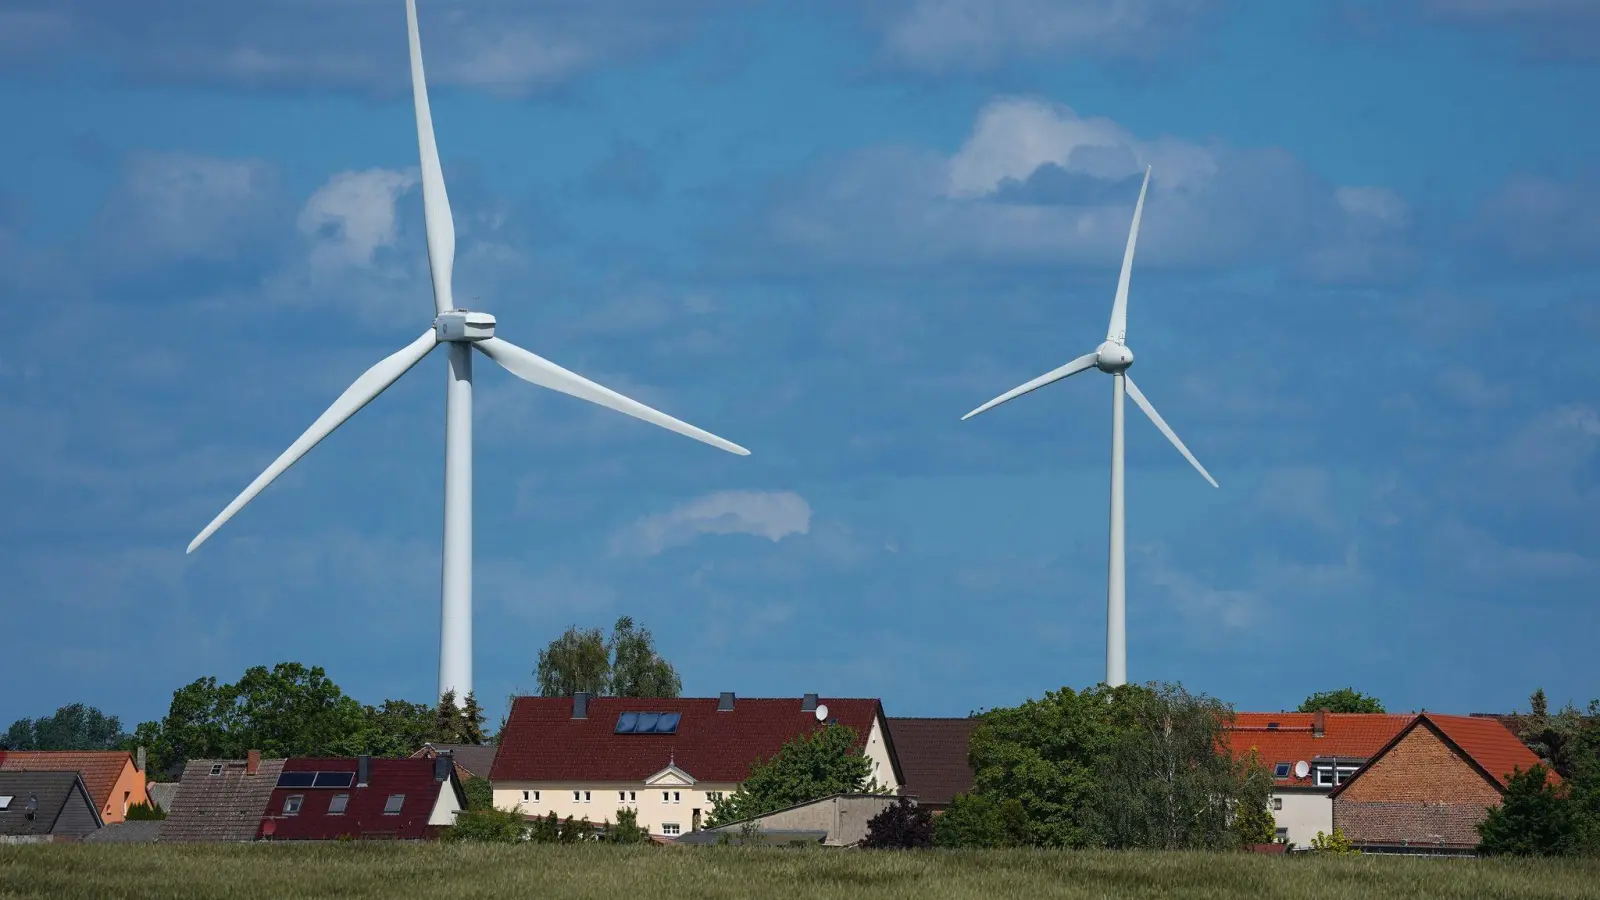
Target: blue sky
(1365, 297)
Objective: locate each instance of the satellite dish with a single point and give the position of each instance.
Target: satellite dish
(822, 712)
(1302, 769)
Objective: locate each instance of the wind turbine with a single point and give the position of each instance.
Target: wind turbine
(462, 331)
(1113, 358)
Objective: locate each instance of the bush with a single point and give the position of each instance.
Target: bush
(480, 793)
(145, 812)
(900, 826)
(491, 826)
(979, 821)
(1531, 820)
(627, 830)
(1336, 843)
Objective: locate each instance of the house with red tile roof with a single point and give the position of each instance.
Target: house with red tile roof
(934, 755)
(1427, 788)
(114, 781)
(324, 799)
(1309, 755)
(670, 761)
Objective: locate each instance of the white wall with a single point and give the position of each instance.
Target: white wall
(878, 751)
(603, 802)
(1304, 814)
(446, 807)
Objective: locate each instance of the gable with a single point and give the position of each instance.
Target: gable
(101, 769)
(1420, 766)
(934, 756)
(670, 776)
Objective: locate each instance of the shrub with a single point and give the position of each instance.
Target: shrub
(901, 826)
(1336, 843)
(492, 826)
(145, 812)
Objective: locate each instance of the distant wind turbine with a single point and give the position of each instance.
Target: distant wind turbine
(1113, 357)
(462, 330)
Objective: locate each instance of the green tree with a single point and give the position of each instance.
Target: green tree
(1343, 700)
(1533, 818)
(145, 812)
(472, 719)
(395, 729)
(1554, 737)
(458, 723)
(977, 821)
(488, 825)
(480, 793)
(637, 670)
(627, 830)
(71, 727)
(576, 661)
(1336, 843)
(827, 761)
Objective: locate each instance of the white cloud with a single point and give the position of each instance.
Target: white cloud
(773, 515)
(173, 206)
(353, 214)
(980, 34)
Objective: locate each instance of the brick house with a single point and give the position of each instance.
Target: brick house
(1309, 755)
(934, 756)
(1426, 790)
(670, 761)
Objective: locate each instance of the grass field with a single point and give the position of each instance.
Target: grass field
(394, 871)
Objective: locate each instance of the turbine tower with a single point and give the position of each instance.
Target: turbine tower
(1113, 357)
(462, 331)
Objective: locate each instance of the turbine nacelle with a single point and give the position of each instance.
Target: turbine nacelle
(461, 325)
(1112, 357)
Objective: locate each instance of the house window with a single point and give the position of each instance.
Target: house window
(671, 828)
(526, 796)
(577, 796)
(1277, 803)
(216, 769)
(1283, 835)
(586, 796)
(671, 796)
(392, 806)
(1281, 770)
(535, 796)
(337, 804)
(627, 796)
(714, 796)
(1329, 775)
(291, 804)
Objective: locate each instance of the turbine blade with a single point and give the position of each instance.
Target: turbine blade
(538, 370)
(372, 382)
(435, 202)
(1083, 362)
(1119, 308)
(1149, 410)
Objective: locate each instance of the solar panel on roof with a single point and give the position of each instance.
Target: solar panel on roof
(334, 779)
(296, 779)
(668, 723)
(627, 722)
(647, 723)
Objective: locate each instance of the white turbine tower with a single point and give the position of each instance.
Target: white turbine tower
(1113, 357)
(463, 331)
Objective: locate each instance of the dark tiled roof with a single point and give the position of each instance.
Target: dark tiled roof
(127, 833)
(54, 791)
(100, 768)
(162, 793)
(364, 815)
(475, 759)
(1345, 735)
(544, 743)
(933, 756)
(225, 807)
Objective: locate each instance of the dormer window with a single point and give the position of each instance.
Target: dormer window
(1330, 775)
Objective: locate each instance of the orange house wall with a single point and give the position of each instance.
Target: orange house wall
(1419, 793)
(130, 784)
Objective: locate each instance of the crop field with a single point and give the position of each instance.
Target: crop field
(389, 871)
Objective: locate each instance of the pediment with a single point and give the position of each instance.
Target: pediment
(670, 776)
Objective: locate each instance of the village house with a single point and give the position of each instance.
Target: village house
(115, 780)
(221, 800)
(1309, 755)
(324, 799)
(670, 761)
(933, 756)
(471, 760)
(1426, 789)
(43, 806)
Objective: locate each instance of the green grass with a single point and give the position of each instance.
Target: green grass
(457, 872)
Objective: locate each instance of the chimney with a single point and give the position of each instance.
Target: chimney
(725, 703)
(139, 759)
(808, 703)
(363, 770)
(441, 767)
(252, 761)
(580, 705)
(1319, 722)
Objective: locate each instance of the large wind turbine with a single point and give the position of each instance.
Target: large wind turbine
(1113, 357)
(463, 331)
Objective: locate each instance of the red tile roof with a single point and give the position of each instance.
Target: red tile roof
(1486, 743)
(100, 768)
(1346, 735)
(363, 816)
(544, 743)
(934, 756)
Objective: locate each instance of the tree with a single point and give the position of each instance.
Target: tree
(145, 812)
(1533, 818)
(977, 821)
(825, 762)
(627, 830)
(576, 661)
(455, 723)
(480, 793)
(395, 729)
(1343, 700)
(900, 826)
(1336, 844)
(488, 825)
(1554, 738)
(472, 720)
(72, 727)
(637, 670)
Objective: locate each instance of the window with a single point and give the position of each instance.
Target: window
(126, 796)
(392, 806)
(1330, 775)
(337, 804)
(1281, 770)
(671, 796)
(577, 796)
(536, 796)
(216, 769)
(627, 796)
(714, 796)
(526, 796)
(671, 828)
(586, 796)
(291, 804)
(1283, 835)
(1277, 803)
(5, 801)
